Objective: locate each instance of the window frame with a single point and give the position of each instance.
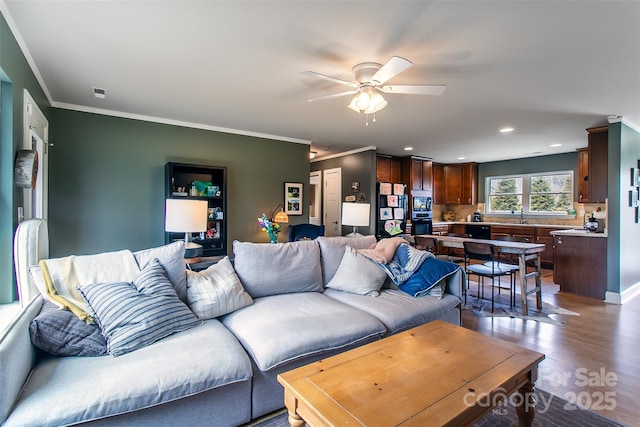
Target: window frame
(526, 196)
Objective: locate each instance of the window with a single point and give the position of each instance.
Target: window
(548, 193)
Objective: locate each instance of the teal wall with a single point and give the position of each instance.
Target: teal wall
(106, 180)
(623, 268)
(551, 163)
(357, 167)
(16, 75)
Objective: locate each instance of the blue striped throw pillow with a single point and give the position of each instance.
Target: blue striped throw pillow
(134, 315)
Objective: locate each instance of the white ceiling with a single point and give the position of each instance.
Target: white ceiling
(549, 69)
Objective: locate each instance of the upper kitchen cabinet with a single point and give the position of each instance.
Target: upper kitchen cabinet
(583, 174)
(417, 174)
(461, 184)
(438, 183)
(388, 169)
(598, 158)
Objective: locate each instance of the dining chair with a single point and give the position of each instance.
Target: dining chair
(507, 262)
(431, 244)
(305, 232)
(485, 253)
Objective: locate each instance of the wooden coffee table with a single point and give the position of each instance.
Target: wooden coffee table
(435, 374)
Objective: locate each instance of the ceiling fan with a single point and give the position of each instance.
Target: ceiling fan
(370, 78)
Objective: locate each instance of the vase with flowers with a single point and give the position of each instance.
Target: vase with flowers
(270, 227)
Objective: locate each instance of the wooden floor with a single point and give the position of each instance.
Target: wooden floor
(593, 361)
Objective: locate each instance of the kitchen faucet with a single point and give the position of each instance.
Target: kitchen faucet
(522, 221)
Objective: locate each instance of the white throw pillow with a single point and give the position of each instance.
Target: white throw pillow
(216, 291)
(358, 274)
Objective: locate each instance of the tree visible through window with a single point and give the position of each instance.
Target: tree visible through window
(548, 193)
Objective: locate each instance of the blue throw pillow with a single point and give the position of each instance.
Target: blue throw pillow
(431, 272)
(134, 315)
(62, 333)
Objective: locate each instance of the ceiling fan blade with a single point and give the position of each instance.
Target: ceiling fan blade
(392, 68)
(331, 79)
(335, 95)
(414, 89)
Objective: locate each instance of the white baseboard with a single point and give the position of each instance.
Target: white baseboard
(624, 296)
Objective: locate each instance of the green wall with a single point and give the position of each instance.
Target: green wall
(16, 75)
(106, 180)
(623, 269)
(357, 167)
(555, 162)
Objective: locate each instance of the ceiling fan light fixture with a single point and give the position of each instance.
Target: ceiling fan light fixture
(367, 101)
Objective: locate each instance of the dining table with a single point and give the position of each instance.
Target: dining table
(524, 251)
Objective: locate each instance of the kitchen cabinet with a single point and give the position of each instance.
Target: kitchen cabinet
(417, 174)
(598, 159)
(460, 183)
(388, 169)
(580, 265)
(583, 175)
(511, 231)
(437, 170)
(440, 229)
(543, 236)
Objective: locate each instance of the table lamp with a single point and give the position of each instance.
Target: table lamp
(355, 215)
(187, 216)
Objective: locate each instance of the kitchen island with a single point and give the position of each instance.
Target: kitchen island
(580, 262)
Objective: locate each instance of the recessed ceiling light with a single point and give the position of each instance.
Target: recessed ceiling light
(506, 130)
(555, 145)
(408, 148)
(461, 158)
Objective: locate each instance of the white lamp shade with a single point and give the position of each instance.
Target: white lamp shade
(356, 214)
(185, 216)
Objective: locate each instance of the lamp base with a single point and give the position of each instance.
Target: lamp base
(192, 252)
(354, 234)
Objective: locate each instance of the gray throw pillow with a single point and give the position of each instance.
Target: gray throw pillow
(216, 291)
(332, 251)
(61, 333)
(134, 315)
(171, 257)
(358, 274)
(271, 269)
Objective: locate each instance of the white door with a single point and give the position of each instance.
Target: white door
(332, 202)
(36, 134)
(315, 198)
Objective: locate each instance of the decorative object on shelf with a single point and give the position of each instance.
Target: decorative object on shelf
(25, 170)
(293, 198)
(272, 228)
(187, 216)
(356, 215)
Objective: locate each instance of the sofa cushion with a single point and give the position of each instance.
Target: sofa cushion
(171, 257)
(69, 390)
(294, 326)
(61, 333)
(396, 309)
(332, 251)
(271, 269)
(215, 291)
(134, 315)
(358, 274)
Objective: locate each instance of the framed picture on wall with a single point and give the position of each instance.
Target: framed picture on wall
(293, 198)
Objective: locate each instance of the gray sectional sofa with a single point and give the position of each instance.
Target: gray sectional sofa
(223, 371)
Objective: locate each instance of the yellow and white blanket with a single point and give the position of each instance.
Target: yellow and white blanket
(63, 275)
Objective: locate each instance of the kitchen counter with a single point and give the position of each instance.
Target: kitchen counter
(507, 224)
(580, 232)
